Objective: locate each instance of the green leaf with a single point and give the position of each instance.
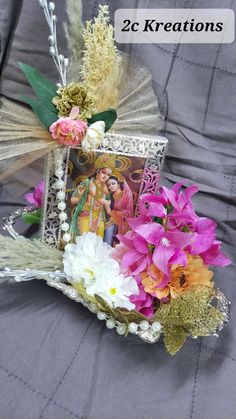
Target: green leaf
(109, 116)
(32, 217)
(129, 316)
(174, 338)
(46, 116)
(213, 319)
(78, 285)
(104, 306)
(44, 89)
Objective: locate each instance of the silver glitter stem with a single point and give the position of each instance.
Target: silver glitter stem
(60, 61)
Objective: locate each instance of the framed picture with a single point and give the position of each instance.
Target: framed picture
(100, 187)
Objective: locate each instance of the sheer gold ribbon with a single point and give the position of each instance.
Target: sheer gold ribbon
(22, 138)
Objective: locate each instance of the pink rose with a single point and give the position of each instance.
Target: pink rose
(68, 131)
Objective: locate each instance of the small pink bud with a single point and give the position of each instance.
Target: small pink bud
(74, 112)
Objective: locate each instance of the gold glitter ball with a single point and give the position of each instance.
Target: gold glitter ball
(74, 94)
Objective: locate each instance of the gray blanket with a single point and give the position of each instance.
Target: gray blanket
(57, 360)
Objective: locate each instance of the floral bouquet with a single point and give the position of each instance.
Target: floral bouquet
(154, 279)
(159, 272)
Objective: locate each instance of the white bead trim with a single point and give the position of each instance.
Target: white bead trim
(111, 323)
(61, 194)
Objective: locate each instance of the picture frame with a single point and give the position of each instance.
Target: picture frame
(95, 201)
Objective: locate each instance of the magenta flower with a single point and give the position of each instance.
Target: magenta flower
(205, 234)
(143, 302)
(205, 243)
(36, 197)
(168, 245)
(133, 253)
(213, 256)
(152, 206)
(173, 207)
(180, 200)
(184, 218)
(166, 230)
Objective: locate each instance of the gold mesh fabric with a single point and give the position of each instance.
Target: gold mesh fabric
(22, 138)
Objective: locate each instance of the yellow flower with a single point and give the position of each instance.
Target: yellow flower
(74, 94)
(181, 280)
(152, 279)
(185, 277)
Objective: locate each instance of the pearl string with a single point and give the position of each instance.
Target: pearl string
(154, 330)
(133, 327)
(60, 186)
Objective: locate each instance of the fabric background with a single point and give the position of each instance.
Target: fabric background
(57, 360)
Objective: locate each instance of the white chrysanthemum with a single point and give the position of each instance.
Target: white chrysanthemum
(81, 260)
(94, 136)
(90, 261)
(112, 286)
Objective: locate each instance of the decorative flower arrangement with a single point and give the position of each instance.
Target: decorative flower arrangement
(157, 280)
(159, 270)
(168, 234)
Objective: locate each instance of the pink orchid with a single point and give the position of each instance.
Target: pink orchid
(205, 243)
(36, 197)
(144, 301)
(152, 206)
(180, 200)
(164, 238)
(69, 131)
(213, 256)
(176, 208)
(165, 231)
(180, 208)
(160, 205)
(205, 234)
(133, 253)
(183, 218)
(168, 245)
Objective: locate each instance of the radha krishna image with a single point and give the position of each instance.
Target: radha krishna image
(103, 200)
